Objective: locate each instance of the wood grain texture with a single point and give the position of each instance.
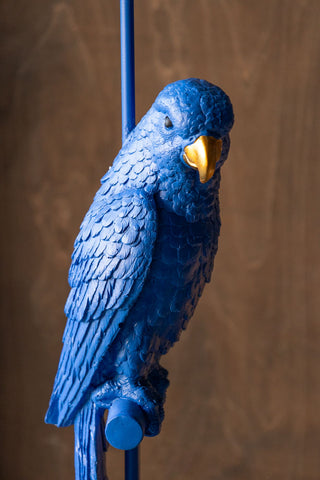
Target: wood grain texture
(245, 389)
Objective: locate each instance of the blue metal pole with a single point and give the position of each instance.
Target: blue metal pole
(128, 110)
(127, 67)
(132, 464)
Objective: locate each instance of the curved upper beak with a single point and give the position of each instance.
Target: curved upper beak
(203, 155)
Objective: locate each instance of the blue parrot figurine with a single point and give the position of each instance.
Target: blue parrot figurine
(145, 250)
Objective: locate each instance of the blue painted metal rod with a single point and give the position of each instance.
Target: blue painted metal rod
(128, 109)
(125, 424)
(132, 464)
(127, 67)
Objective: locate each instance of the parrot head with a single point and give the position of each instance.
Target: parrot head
(191, 119)
(178, 147)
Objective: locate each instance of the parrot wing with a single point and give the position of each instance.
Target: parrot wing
(111, 258)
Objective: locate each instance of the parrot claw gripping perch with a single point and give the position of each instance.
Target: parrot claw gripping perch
(146, 393)
(145, 250)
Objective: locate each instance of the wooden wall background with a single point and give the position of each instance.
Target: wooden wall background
(245, 392)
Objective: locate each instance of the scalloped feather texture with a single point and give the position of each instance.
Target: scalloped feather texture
(143, 255)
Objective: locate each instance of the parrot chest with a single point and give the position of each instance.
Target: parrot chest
(182, 262)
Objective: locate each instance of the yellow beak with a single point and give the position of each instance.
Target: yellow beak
(203, 155)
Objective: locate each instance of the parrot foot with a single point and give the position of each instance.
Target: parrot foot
(146, 392)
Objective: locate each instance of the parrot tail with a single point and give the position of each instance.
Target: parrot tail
(89, 444)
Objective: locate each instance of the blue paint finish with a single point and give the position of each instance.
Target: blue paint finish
(120, 425)
(132, 464)
(125, 424)
(90, 444)
(127, 67)
(144, 252)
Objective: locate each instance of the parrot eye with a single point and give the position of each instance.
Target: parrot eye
(167, 122)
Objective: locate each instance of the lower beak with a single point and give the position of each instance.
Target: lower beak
(203, 155)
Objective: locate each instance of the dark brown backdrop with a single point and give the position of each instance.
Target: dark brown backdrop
(244, 397)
